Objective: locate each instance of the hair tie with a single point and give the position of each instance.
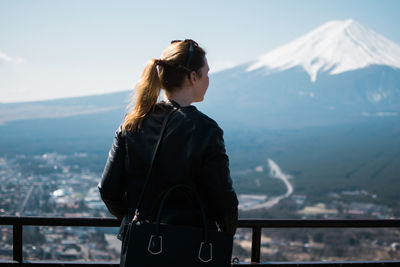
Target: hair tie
(159, 62)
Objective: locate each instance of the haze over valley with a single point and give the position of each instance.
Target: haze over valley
(319, 114)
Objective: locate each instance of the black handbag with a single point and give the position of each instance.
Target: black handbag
(157, 244)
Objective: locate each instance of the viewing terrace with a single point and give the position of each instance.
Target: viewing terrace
(256, 226)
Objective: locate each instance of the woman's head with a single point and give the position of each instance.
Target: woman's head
(178, 61)
(181, 62)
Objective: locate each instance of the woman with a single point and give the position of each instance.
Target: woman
(192, 150)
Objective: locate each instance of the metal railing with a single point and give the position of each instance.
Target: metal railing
(255, 224)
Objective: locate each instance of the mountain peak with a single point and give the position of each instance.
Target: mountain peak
(336, 46)
(338, 24)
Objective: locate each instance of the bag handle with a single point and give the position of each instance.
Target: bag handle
(198, 200)
(136, 215)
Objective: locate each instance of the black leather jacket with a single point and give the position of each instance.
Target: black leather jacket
(192, 152)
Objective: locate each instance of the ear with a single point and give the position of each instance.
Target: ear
(193, 77)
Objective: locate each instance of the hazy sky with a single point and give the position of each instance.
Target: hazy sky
(51, 49)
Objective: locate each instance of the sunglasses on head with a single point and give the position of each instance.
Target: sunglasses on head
(191, 49)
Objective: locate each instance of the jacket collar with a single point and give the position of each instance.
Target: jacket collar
(174, 103)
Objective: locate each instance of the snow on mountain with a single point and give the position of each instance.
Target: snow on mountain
(336, 46)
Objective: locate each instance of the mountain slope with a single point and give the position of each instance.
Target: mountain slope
(288, 99)
(336, 46)
(66, 107)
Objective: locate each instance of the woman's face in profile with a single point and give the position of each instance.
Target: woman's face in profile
(202, 83)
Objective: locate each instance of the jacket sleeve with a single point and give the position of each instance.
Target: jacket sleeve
(221, 197)
(111, 186)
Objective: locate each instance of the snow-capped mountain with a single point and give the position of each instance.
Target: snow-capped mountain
(336, 46)
(339, 72)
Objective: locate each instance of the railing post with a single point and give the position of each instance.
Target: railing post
(256, 244)
(17, 242)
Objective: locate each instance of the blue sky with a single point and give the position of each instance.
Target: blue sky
(51, 49)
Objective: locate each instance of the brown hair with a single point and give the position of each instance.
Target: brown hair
(168, 72)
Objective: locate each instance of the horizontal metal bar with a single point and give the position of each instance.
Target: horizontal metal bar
(325, 263)
(60, 263)
(270, 264)
(59, 221)
(242, 223)
(323, 223)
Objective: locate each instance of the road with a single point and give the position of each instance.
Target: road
(275, 172)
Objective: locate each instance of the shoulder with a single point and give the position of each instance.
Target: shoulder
(202, 120)
(189, 117)
(119, 135)
(119, 131)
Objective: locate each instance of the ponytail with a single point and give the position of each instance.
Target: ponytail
(147, 92)
(169, 72)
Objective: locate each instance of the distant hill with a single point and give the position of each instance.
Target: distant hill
(66, 107)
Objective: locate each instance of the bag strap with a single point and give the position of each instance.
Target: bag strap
(197, 199)
(136, 215)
